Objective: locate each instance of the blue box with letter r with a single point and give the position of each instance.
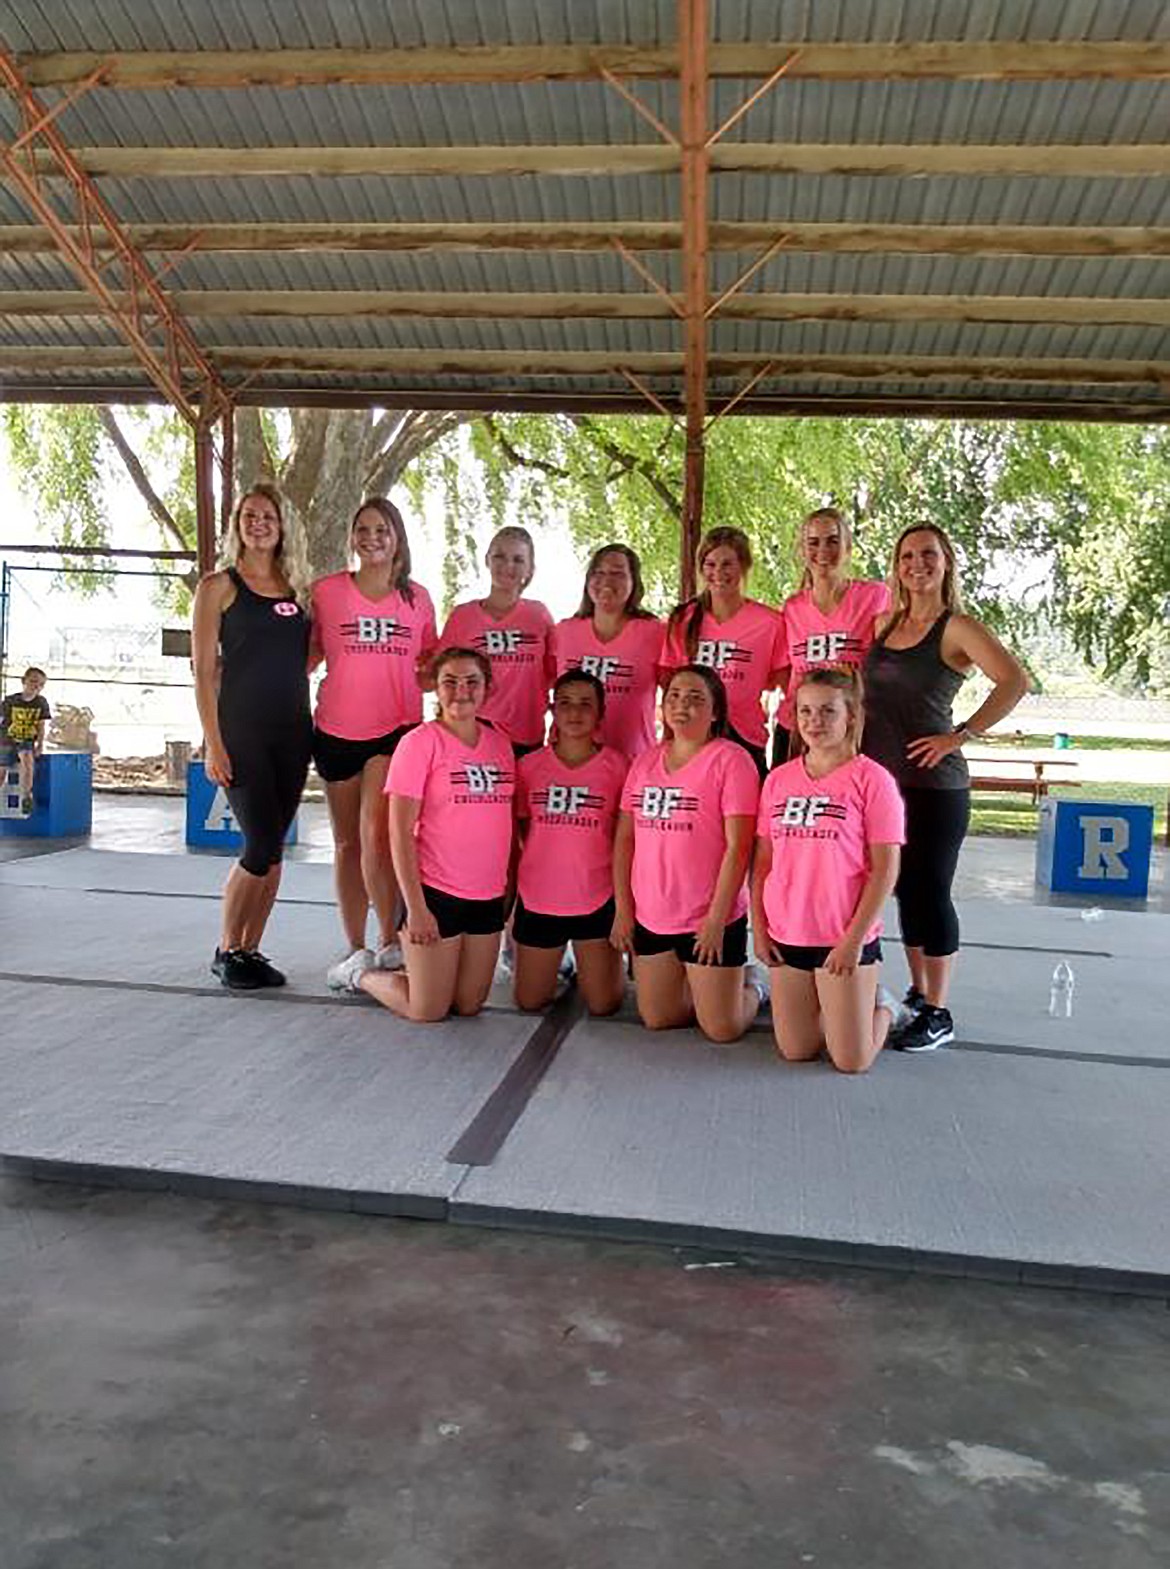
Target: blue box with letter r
(1097, 848)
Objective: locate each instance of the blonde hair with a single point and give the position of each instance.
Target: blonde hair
(845, 679)
(516, 531)
(830, 515)
(288, 550)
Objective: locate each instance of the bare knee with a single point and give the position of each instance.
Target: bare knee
(852, 1064)
(531, 999)
(722, 1031)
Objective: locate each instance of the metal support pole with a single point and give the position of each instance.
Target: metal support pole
(205, 541)
(692, 15)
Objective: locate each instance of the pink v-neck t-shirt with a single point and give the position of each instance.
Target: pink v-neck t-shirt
(820, 831)
(371, 649)
(743, 652)
(464, 830)
(841, 637)
(566, 865)
(679, 833)
(627, 667)
(517, 647)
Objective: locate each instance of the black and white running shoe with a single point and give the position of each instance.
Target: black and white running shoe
(265, 971)
(929, 1029)
(234, 969)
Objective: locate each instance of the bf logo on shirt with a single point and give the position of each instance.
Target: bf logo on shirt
(824, 647)
(482, 778)
(496, 641)
(802, 811)
(600, 665)
(714, 653)
(566, 800)
(376, 629)
(660, 801)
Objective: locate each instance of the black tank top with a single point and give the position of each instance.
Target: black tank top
(908, 694)
(264, 680)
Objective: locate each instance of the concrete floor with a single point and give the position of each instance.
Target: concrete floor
(255, 1387)
(221, 1386)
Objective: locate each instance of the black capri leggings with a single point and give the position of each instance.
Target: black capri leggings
(268, 775)
(936, 823)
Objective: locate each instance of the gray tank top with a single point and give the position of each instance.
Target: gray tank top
(908, 693)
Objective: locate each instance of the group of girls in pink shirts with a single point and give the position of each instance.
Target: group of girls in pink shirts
(624, 845)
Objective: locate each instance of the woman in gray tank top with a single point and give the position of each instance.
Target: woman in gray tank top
(923, 652)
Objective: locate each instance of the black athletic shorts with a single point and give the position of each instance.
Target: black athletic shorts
(553, 931)
(814, 958)
(337, 760)
(682, 944)
(464, 917)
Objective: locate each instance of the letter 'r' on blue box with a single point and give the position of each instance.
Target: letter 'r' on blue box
(1097, 848)
(210, 822)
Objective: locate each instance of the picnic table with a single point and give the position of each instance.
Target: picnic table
(1023, 772)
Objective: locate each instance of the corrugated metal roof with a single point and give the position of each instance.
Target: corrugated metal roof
(799, 110)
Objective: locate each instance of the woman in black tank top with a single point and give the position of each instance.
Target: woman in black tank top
(250, 642)
(922, 654)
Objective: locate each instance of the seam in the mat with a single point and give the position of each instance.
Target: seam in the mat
(265, 995)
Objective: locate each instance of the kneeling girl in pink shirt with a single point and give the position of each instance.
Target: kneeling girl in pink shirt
(451, 784)
(680, 860)
(827, 848)
(567, 800)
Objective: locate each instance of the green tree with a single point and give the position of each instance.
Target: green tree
(324, 460)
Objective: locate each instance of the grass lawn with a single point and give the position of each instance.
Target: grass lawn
(1085, 743)
(993, 812)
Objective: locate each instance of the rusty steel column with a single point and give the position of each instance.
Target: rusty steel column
(205, 532)
(693, 88)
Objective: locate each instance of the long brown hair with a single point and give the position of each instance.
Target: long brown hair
(952, 597)
(390, 515)
(689, 615)
(720, 724)
(845, 679)
(633, 605)
(830, 515)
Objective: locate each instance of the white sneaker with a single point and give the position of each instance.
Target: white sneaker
(343, 977)
(390, 957)
(884, 998)
(756, 975)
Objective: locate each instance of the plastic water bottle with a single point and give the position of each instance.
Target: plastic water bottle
(1061, 999)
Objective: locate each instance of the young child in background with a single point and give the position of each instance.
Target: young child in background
(23, 716)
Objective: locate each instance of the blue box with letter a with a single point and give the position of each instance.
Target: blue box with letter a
(62, 796)
(1098, 848)
(210, 823)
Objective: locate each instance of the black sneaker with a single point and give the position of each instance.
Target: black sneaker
(235, 970)
(265, 971)
(929, 1029)
(913, 1001)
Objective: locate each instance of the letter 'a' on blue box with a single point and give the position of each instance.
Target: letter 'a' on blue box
(210, 823)
(1097, 848)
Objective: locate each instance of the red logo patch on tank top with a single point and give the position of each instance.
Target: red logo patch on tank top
(286, 607)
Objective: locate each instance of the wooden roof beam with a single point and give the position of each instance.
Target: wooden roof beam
(694, 45)
(1122, 410)
(262, 361)
(904, 160)
(922, 239)
(1121, 60)
(345, 304)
